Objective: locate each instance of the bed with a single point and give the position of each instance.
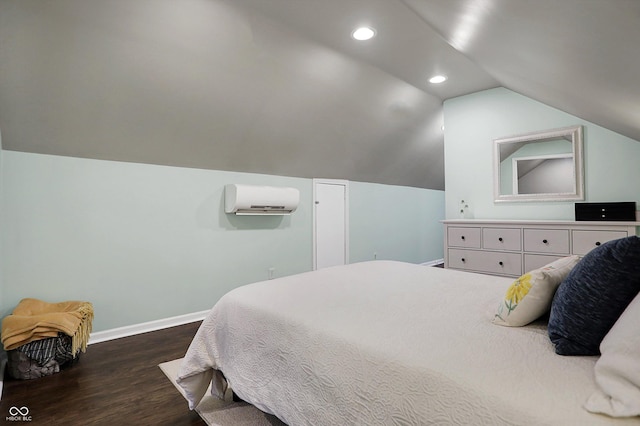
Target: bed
(390, 343)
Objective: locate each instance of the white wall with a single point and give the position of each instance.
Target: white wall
(472, 122)
(146, 242)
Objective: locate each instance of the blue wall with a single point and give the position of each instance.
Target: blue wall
(2, 298)
(145, 242)
(395, 223)
(140, 242)
(472, 122)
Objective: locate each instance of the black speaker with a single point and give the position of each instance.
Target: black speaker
(623, 211)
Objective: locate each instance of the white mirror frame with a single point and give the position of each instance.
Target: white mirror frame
(574, 134)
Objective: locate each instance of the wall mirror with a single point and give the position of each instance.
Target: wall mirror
(539, 166)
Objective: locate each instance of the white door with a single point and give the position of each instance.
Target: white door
(331, 224)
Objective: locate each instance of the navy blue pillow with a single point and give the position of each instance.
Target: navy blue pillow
(594, 294)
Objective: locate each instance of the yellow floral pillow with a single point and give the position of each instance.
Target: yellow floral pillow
(530, 296)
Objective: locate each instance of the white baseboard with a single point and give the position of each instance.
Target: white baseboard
(145, 327)
(117, 333)
(433, 262)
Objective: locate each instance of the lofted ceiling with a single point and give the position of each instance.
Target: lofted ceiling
(280, 87)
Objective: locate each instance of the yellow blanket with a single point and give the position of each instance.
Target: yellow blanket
(34, 319)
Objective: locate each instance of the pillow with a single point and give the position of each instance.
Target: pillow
(593, 296)
(529, 297)
(617, 372)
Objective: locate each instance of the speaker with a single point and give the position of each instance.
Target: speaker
(622, 211)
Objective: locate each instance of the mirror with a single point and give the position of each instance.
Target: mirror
(540, 166)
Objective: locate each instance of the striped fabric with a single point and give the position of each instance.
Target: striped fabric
(44, 350)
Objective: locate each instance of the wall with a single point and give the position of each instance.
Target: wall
(395, 223)
(473, 121)
(140, 242)
(3, 354)
(145, 242)
(2, 298)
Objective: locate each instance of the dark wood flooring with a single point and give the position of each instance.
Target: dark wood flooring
(114, 383)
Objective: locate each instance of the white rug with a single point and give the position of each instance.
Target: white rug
(222, 413)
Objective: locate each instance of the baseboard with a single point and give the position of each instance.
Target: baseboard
(117, 333)
(433, 262)
(145, 327)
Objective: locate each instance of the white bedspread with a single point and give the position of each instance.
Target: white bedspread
(386, 343)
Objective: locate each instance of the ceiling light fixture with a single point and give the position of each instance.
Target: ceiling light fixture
(363, 33)
(436, 79)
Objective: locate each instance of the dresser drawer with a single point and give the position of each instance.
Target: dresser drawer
(535, 261)
(463, 237)
(502, 239)
(546, 241)
(513, 247)
(492, 262)
(585, 241)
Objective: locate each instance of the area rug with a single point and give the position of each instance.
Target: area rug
(216, 412)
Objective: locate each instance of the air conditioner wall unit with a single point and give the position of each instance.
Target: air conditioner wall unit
(260, 200)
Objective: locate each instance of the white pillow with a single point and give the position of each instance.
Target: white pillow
(530, 296)
(617, 372)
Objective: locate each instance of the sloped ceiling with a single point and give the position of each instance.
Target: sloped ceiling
(580, 56)
(279, 87)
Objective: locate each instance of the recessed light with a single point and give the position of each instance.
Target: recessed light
(437, 79)
(363, 33)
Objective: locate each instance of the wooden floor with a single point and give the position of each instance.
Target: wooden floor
(114, 383)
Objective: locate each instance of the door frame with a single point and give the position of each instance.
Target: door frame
(344, 183)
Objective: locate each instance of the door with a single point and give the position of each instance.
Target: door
(330, 223)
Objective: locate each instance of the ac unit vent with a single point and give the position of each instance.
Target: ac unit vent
(268, 207)
(260, 200)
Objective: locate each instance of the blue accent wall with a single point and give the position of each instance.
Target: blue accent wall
(146, 242)
(472, 122)
(395, 223)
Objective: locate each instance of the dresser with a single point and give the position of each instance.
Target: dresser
(513, 247)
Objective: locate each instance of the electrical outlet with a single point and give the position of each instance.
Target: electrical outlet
(271, 271)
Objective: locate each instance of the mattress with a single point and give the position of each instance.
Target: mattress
(386, 343)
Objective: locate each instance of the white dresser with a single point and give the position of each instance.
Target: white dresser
(512, 247)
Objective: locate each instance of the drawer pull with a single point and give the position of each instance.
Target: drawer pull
(463, 260)
(597, 243)
(545, 242)
(462, 237)
(500, 263)
(500, 239)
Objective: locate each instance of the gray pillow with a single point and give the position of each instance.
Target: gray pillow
(593, 296)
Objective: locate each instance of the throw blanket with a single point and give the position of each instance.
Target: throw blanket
(34, 320)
